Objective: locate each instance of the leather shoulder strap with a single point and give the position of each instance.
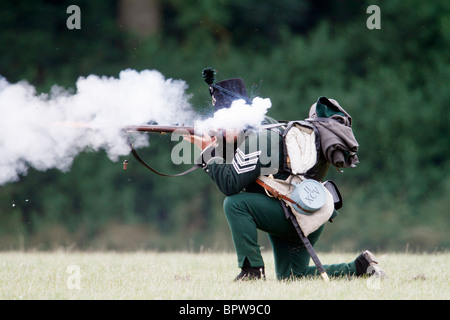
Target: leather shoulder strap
(138, 158)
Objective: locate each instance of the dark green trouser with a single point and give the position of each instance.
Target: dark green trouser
(247, 212)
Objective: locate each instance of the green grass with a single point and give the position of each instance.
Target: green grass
(150, 275)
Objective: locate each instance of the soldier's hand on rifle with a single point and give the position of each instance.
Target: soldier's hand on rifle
(201, 142)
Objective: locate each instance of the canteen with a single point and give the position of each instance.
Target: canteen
(309, 196)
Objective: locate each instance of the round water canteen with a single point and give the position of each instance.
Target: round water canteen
(309, 196)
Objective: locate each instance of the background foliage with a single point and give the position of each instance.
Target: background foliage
(393, 81)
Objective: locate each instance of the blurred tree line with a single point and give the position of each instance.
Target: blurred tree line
(394, 81)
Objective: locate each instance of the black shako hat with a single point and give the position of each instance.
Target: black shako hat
(224, 92)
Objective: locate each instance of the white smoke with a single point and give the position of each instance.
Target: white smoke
(49, 130)
(238, 116)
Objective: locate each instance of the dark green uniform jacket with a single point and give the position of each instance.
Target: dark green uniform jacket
(235, 167)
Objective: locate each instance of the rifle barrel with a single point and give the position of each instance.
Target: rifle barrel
(160, 129)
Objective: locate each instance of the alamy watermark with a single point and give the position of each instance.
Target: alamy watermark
(255, 147)
(74, 20)
(374, 20)
(74, 279)
(374, 281)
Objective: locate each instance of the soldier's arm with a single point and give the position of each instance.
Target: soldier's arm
(233, 176)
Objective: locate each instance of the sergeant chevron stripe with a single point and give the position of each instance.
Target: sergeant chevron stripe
(245, 162)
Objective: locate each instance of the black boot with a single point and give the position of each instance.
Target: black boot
(367, 265)
(250, 273)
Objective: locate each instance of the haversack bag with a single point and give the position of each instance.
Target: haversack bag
(311, 202)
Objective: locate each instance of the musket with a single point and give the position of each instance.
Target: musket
(159, 129)
(131, 128)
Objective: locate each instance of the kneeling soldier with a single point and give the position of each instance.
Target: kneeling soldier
(248, 208)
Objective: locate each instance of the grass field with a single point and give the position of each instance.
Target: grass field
(150, 275)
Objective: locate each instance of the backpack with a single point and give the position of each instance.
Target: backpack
(301, 148)
(325, 137)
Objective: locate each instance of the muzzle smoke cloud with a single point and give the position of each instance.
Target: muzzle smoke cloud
(49, 130)
(239, 115)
